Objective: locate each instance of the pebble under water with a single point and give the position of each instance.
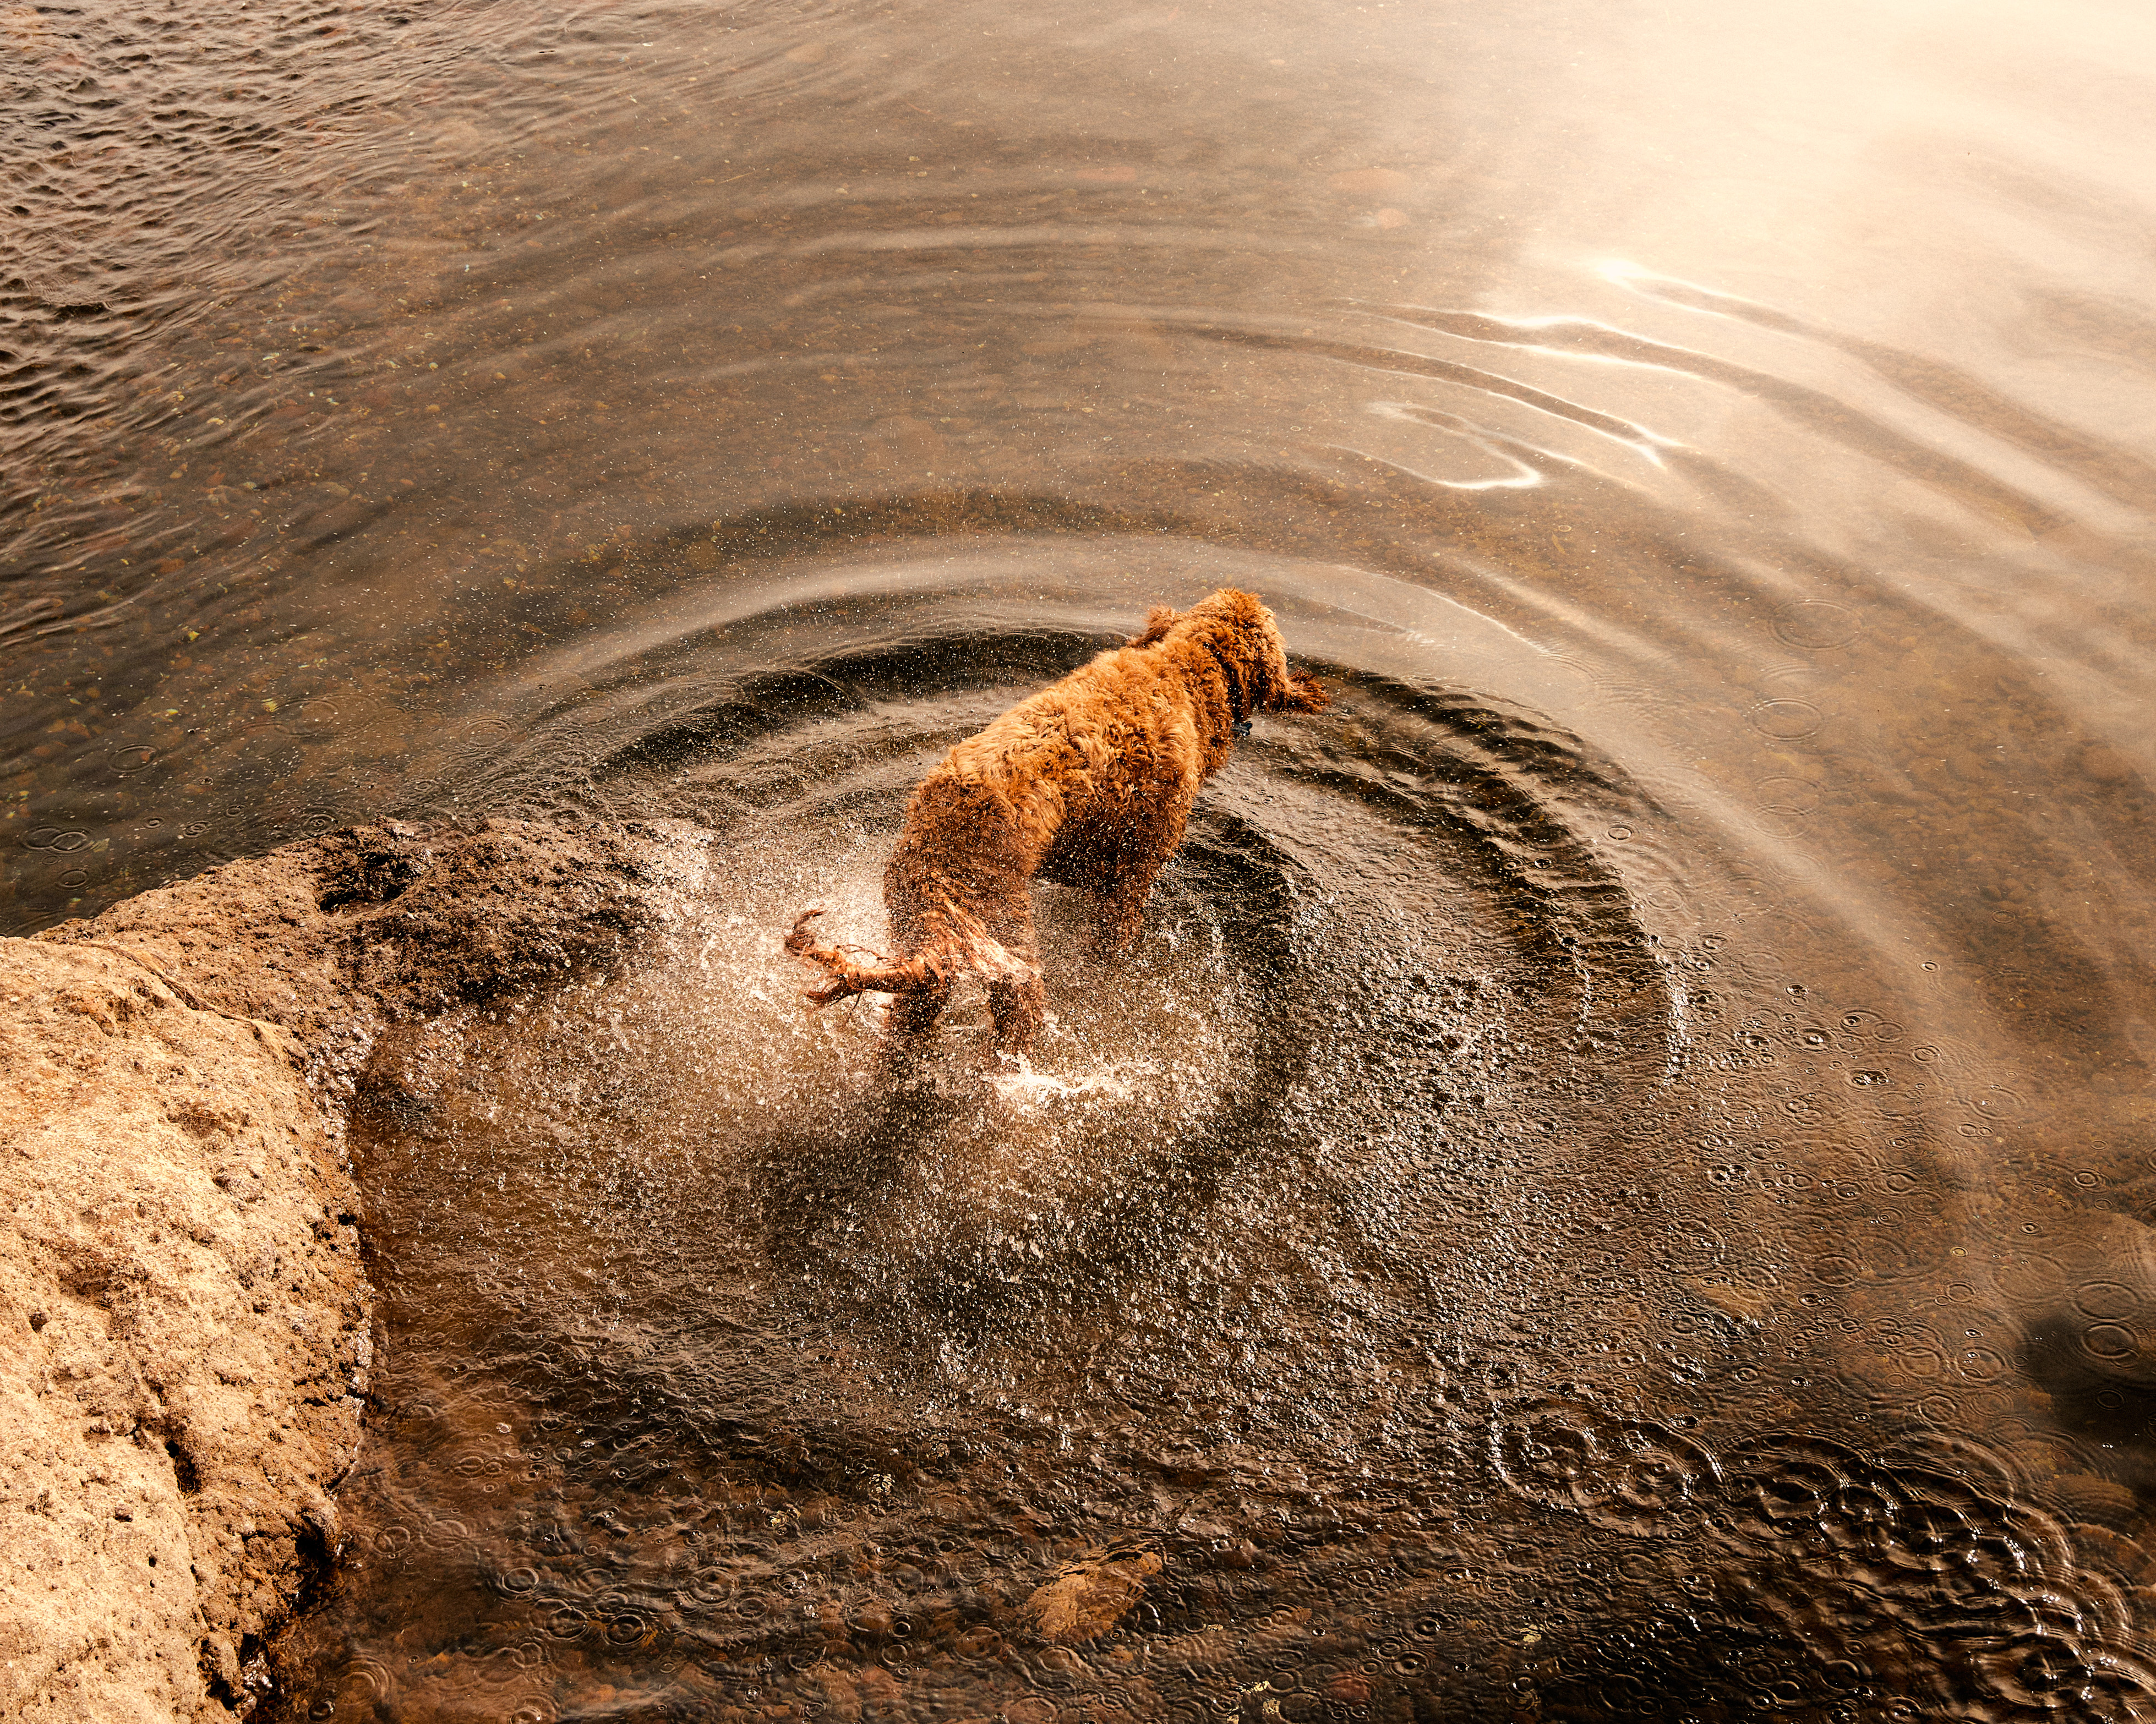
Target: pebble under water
(1616, 1182)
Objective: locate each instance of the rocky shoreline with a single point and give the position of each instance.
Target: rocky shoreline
(180, 1249)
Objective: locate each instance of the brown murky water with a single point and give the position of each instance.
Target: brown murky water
(1617, 1184)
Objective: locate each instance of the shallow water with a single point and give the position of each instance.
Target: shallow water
(1615, 1184)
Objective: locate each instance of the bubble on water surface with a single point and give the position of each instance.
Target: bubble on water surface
(1787, 720)
(1818, 624)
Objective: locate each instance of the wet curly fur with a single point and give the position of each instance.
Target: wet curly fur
(1088, 783)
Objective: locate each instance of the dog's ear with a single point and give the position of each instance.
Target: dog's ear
(1304, 693)
(1158, 621)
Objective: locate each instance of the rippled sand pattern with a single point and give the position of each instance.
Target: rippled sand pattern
(1617, 1182)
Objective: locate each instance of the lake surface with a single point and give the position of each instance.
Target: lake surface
(1615, 1184)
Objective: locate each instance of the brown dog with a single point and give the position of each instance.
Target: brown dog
(1087, 784)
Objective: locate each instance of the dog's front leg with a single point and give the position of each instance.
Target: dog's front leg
(1142, 854)
(1123, 910)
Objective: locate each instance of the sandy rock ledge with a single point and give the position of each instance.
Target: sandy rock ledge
(184, 1314)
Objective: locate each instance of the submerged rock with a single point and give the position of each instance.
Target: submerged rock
(1090, 1596)
(186, 1314)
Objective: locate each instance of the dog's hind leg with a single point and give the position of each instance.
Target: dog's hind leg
(1020, 1009)
(914, 1015)
(1017, 1000)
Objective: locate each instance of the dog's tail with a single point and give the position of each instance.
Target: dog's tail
(924, 972)
(848, 975)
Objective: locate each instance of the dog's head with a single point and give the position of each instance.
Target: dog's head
(1239, 632)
